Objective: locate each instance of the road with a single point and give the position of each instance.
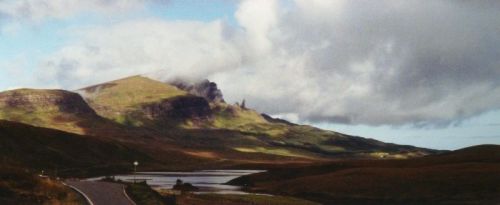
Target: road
(101, 193)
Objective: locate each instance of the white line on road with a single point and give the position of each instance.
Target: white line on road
(81, 192)
(126, 195)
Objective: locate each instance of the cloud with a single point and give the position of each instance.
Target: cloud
(39, 10)
(354, 62)
(140, 47)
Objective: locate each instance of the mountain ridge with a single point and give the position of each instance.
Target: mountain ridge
(148, 113)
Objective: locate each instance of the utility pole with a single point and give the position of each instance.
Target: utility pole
(135, 169)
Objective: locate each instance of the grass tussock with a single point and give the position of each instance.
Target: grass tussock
(142, 194)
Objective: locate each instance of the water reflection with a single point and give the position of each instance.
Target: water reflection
(209, 181)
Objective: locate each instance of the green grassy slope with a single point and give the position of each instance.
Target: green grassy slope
(121, 100)
(56, 109)
(464, 176)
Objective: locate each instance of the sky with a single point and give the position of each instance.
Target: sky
(408, 72)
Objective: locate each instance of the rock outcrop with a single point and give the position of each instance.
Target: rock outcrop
(205, 89)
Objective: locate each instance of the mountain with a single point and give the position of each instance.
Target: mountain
(139, 101)
(467, 176)
(189, 121)
(57, 109)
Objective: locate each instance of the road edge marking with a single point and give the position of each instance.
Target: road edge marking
(81, 192)
(126, 195)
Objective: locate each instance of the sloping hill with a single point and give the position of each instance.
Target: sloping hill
(464, 176)
(65, 153)
(142, 102)
(71, 154)
(155, 117)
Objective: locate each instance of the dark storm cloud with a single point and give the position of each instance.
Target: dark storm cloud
(393, 62)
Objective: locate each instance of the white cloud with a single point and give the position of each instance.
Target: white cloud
(39, 10)
(360, 62)
(258, 18)
(184, 49)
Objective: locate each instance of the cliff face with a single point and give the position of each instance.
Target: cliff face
(45, 100)
(181, 107)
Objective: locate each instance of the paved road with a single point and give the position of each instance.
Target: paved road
(102, 193)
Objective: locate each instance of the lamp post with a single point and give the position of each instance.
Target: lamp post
(135, 169)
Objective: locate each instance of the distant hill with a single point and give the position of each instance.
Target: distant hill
(57, 109)
(191, 120)
(467, 176)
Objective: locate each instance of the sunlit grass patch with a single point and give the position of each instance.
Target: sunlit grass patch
(245, 120)
(229, 116)
(271, 151)
(330, 148)
(386, 155)
(48, 117)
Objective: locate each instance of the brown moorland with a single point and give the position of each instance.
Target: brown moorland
(467, 176)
